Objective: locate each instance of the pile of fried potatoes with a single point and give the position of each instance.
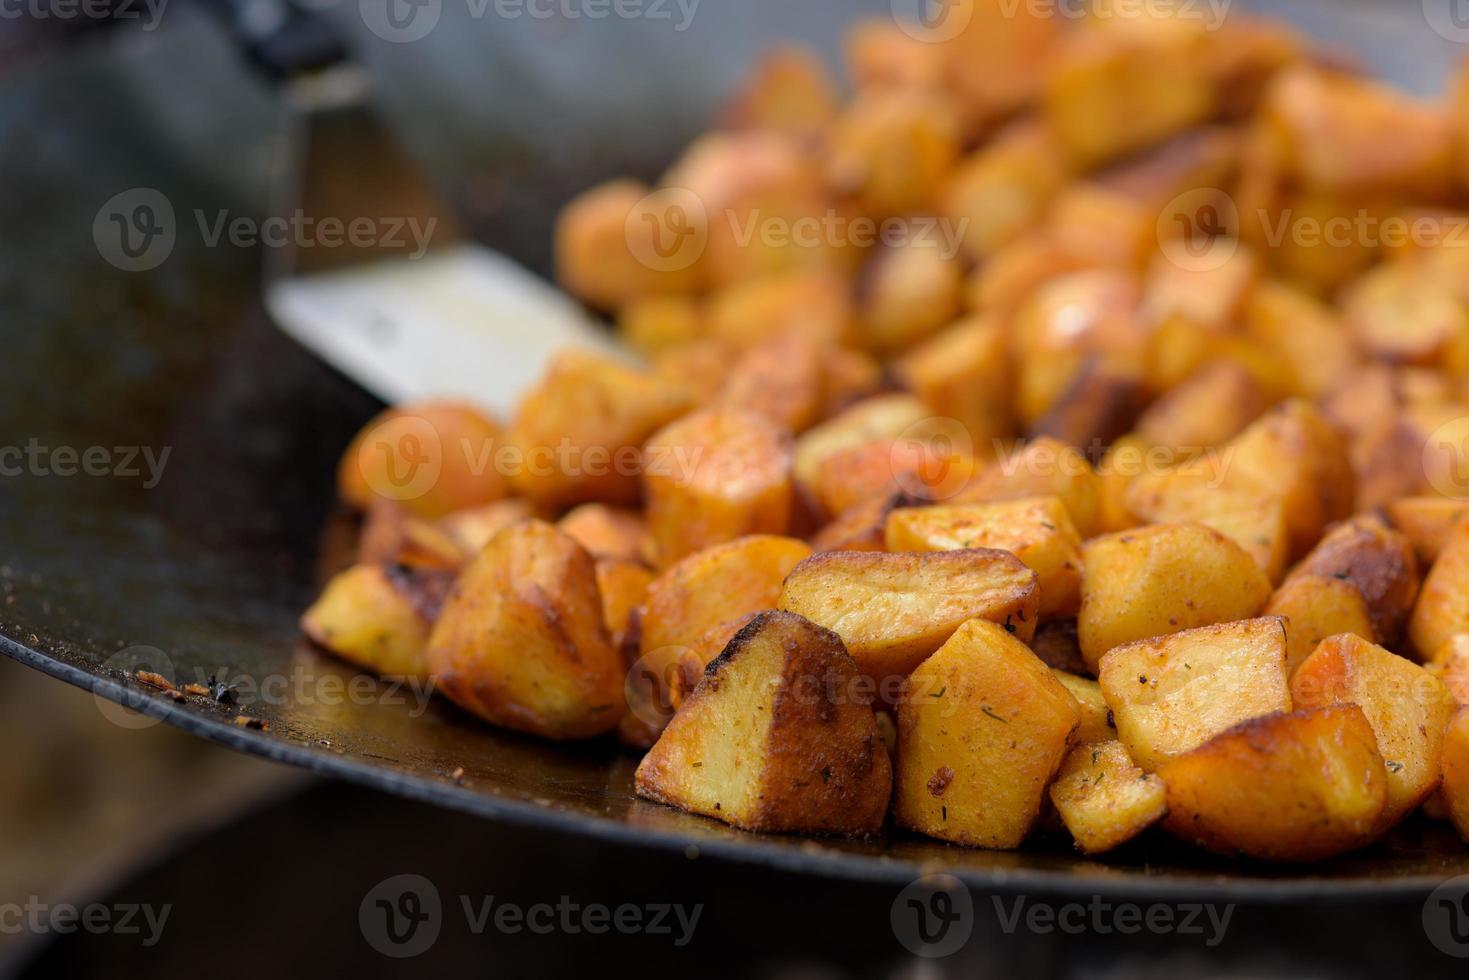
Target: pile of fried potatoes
(1140, 504)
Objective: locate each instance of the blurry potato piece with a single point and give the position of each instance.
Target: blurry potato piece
(1208, 408)
(473, 528)
(1456, 772)
(1129, 457)
(430, 457)
(1170, 694)
(848, 376)
(1399, 314)
(1442, 608)
(392, 535)
(609, 532)
(862, 526)
(893, 610)
(1407, 707)
(1006, 279)
(908, 291)
(1427, 522)
(1096, 718)
(579, 433)
(876, 419)
(521, 642)
(1002, 191)
(1305, 333)
(378, 617)
(623, 584)
(922, 463)
(788, 92)
(1380, 562)
(693, 661)
(880, 53)
(654, 324)
(599, 239)
(1287, 787)
(997, 55)
(1191, 492)
(1104, 800)
(714, 476)
(1100, 404)
(772, 738)
(1037, 530)
(781, 379)
(1450, 664)
(892, 148)
(1315, 607)
(982, 727)
(1161, 579)
(696, 369)
(813, 304)
(1043, 467)
(964, 373)
(1210, 294)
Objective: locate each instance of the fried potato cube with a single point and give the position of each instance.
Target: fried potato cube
(609, 532)
(1208, 408)
(378, 617)
(1407, 707)
(909, 291)
(1190, 492)
(879, 53)
(1104, 800)
(1287, 787)
(1456, 772)
(848, 376)
(964, 373)
(1315, 607)
(1379, 561)
(1450, 664)
(1305, 333)
(607, 257)
(578, 435)
(782, 379)
(473, 527)
(1212, 295)
(1170, 694)
(1043, 467)
(392, 535)
(654, 324)
(714, 586)
(998, 55)
(923, 462)
(774, 738)
(891, 149)
(521, 642)
(862, 526)
(1127, 459)
(1096, 718)
(623, 585)
(1442, 608)
(697, 369)
(1008, 278)
(1160, 579)
(877, 419)
(430, 457)
(1426, 521)
(1002, 191)
(893, 610)
(1037, 530)
(982, 727)
(788, 92)
(1398, 313)
(811, 303)
(714, 476)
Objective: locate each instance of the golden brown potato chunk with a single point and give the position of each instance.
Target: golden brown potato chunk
(964, 374)
(1096, 717)
(1286, 787)
(1407, 707)
(892, 148)
(1196, 493)
(1104, 800)
(781, 379)
(606, 254)
(1380, 562)
(1037, 530)
(788, 92)
(609, 532)
(1443, 603)
(654, 324)
(982, 727)
(877, 419)
(431, 458)
(1305, 333)
(1173, 693)
(1426, 521)
(1315, 607)
(622, 584)
(862, 527)
(1043, 467)
(908, 291)
(1209, 407)
(714, 476)
(893, 610)
(521, 642)
(1450, 664)
(1002, 191)
(391, 535)
(1456, 772)
(473, 528)
(378, 617)
(1161, 579)
(925, 461)
(578, 436)
(774, 738)
(814, 304)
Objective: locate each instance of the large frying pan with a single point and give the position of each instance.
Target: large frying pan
(205, 571)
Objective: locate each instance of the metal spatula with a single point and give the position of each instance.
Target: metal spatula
(377, 277)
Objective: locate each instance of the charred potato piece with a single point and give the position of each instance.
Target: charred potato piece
(1096, 717)
(1161, 579)
(1173, 693)
(1043, 467)
(893, 610)
(1055, 643)
(862, 527)
(1286, 787)
(579, 434)
(432, 458)
(781, 379)
(1100, 404)
(1037, 530)
(1442, 608)
(774, 739)
(1456, 772)
(521, 642)
(609, 532)
(982, 728)
(714, 476)
(964, 374)
(1380, 562)
(622, 584)
(1104, 800)
(1407, 707)
(1426, 521)
(1315, 607)
(378, 617)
